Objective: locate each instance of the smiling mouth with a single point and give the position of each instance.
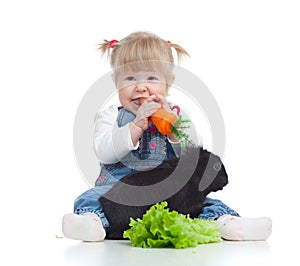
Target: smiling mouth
(137, 101)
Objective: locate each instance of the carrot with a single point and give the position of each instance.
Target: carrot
(168, 123)
(164, 121)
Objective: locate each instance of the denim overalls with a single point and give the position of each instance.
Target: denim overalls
(154, 148)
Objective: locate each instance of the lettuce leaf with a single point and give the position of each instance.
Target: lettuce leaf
(161, 228)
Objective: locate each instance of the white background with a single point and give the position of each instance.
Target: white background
(246, 52)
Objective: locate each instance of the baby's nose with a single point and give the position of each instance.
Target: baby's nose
(141, 86)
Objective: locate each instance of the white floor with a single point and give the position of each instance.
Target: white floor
(111, 252)
(122, 253)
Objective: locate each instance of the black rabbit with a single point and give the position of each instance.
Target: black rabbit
(183, 182)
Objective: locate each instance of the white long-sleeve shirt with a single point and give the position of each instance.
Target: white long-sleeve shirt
(112, 143)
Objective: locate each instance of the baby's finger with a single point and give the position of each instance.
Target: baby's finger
(160, 98)
(151, 98)
(153, 111)
(150, 112)
(164, 103)
(155, 105)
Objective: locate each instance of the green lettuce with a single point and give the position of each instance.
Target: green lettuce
(161, 228)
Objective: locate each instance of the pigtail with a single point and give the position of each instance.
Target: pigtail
(104, 48)
(181, 52)
(140, 46)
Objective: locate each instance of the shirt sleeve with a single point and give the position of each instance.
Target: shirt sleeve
(111, 142)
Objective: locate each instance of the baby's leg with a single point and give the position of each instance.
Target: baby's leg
(215, 209)
(234, 227)
(88, 223)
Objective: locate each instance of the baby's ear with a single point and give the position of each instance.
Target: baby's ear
(170, 82)
(172, 79)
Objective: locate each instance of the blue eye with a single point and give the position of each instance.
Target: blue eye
(130, 78)
(152, 78)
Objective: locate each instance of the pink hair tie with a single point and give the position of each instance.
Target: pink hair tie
(170, 44)
(112, 43)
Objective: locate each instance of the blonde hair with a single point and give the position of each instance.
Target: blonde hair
(141, 51)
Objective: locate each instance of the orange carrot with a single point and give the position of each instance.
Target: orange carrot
(168, 123)
(164, 121)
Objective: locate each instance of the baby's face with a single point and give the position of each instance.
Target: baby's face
(135, 85)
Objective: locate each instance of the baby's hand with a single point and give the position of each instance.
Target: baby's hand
(164, 104)
(148, 108)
